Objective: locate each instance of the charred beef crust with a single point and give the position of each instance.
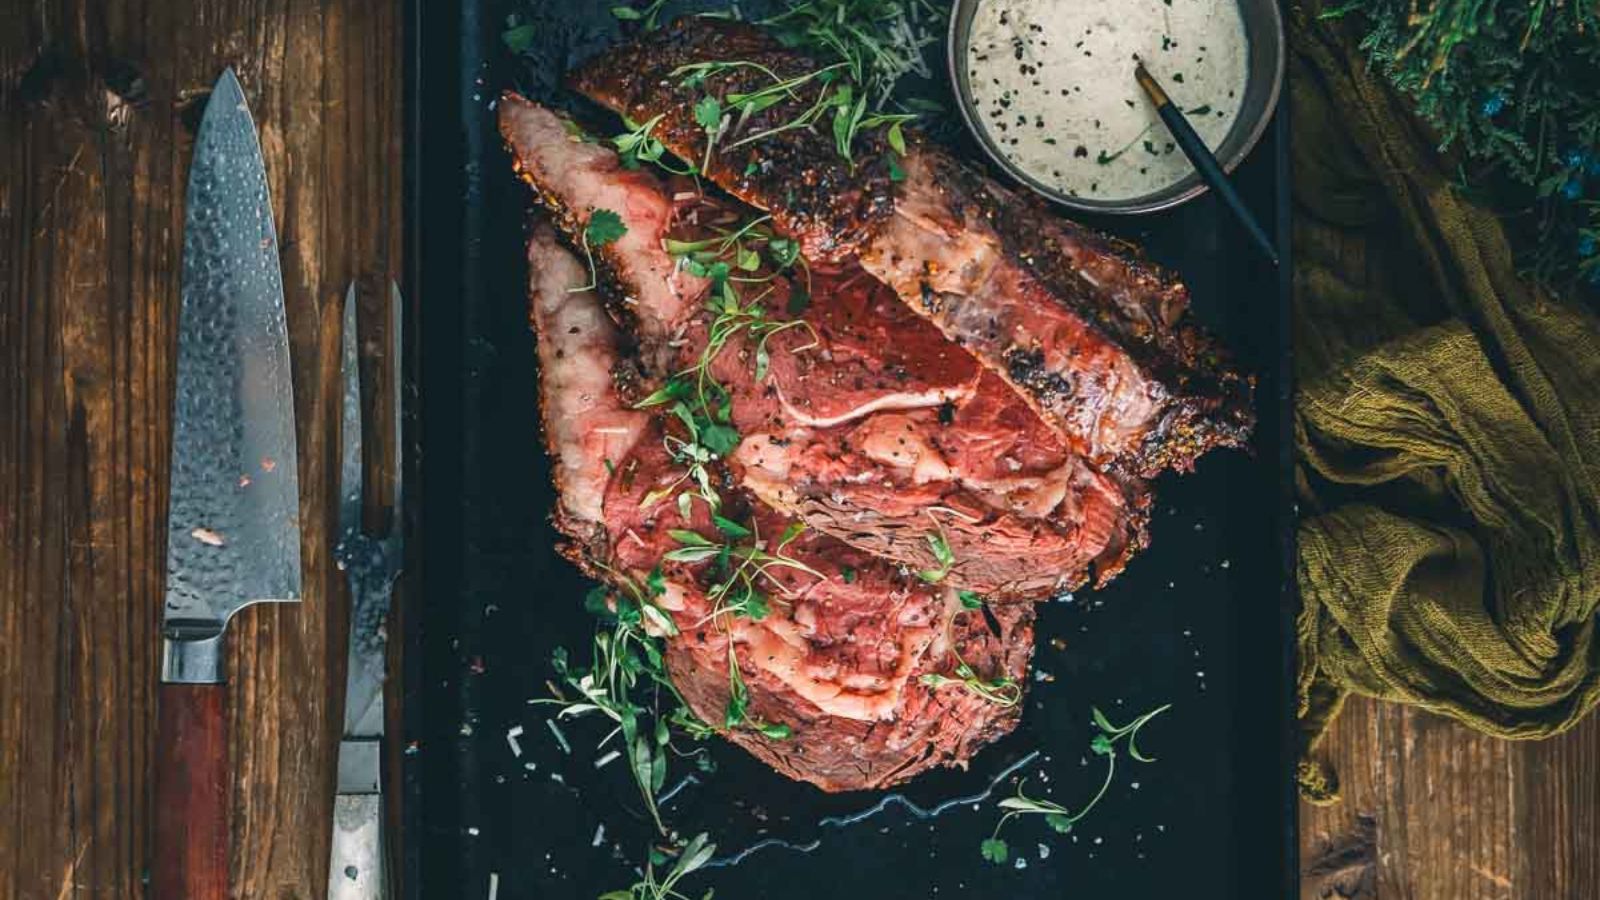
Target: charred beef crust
(827, 202)
(833, 209)
(1211, 402)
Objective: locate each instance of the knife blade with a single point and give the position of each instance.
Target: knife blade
(233, 534)
(371, 564)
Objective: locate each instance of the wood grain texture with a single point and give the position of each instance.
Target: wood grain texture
(1435, 811)
(98, 99)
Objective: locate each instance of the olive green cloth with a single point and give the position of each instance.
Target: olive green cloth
(1448, 427)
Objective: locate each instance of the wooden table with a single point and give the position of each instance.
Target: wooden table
(96, 117)
(97, 105)
(1435, 810)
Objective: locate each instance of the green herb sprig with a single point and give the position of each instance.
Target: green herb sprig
(1517, 86)
(880, 41)
(604, 227)
(639, 145)
(647, 16)
(743, 568)
(627, 681)
(1058, 817)
(1002, 691)
(729, 114)
(939, 546)
(694, 396)
(694, 857)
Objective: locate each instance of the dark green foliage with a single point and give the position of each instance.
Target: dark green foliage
(1515, 85)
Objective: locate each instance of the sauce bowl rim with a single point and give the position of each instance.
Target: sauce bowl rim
(1183, 191)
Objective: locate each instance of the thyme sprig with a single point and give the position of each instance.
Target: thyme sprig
(627, 682)
(1060, 818)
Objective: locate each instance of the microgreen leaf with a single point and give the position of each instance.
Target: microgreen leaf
(689, 538)
(897, 139)
(518, 38)
(775, 731)
(605, 227)
(970, 599)
(763, 361)
(719, 439)
(690, 554)
(995, 850)
(708, 113)
(1058, 817)
(730, 528)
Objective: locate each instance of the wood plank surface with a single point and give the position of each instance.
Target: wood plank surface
(1435, 811)
(97, 105)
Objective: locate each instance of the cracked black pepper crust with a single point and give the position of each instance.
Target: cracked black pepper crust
(836, 210)
(831, 204)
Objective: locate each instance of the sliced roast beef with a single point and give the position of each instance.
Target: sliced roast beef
(839, 653)
(1097, 339)
(863, 420)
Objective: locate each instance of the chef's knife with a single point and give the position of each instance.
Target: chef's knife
(371, 564)
(233, 534)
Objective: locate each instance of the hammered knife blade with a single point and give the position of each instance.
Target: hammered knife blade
(233, 533)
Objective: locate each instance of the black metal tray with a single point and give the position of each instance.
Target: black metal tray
(1203, 620)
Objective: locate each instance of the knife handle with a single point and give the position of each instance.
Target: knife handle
(192, 795)
(357, 867)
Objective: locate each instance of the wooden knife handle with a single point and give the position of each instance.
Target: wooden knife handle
(192, 795)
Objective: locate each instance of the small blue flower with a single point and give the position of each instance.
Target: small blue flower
(1493, 104)
(1573, 189)
(1587, 245)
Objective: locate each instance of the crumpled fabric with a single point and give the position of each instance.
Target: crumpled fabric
(1447, 420)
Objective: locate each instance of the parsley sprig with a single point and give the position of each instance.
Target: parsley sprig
(1058, 817)
(604, 227)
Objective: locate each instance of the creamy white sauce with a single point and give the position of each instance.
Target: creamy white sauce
(1053, 84)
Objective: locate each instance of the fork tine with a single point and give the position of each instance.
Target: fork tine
(350, 424)
(396, 407)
